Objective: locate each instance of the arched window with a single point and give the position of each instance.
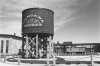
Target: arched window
(2, 43)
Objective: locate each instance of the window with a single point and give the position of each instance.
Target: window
(2, 43)
(7, 45)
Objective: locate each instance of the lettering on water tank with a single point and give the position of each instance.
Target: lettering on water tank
(33, 20)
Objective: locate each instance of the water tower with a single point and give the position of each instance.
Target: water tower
(37, 32)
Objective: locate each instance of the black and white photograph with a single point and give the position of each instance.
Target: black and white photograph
(49, 32)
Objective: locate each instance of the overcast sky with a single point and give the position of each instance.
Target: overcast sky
(74, 20)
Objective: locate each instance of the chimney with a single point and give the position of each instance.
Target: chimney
(14, 34)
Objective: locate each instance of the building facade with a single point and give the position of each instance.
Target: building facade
(70, 48)
(10, 44)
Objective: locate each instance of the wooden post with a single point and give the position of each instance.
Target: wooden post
(26, 46)
(54, 60)
(36, 45)
(4, 58)
(50, 46)
(13, 56)
(18, 59)
(92, 61)
(47, 58)
(22, 46)
(47, 54)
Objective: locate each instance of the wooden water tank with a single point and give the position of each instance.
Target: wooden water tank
(37, 20)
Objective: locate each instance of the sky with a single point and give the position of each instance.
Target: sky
(74, 20)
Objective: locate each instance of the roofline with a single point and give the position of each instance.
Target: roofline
(8, 35)
(85, 43)
(77, 44)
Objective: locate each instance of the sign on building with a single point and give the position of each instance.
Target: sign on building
(75, 49)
